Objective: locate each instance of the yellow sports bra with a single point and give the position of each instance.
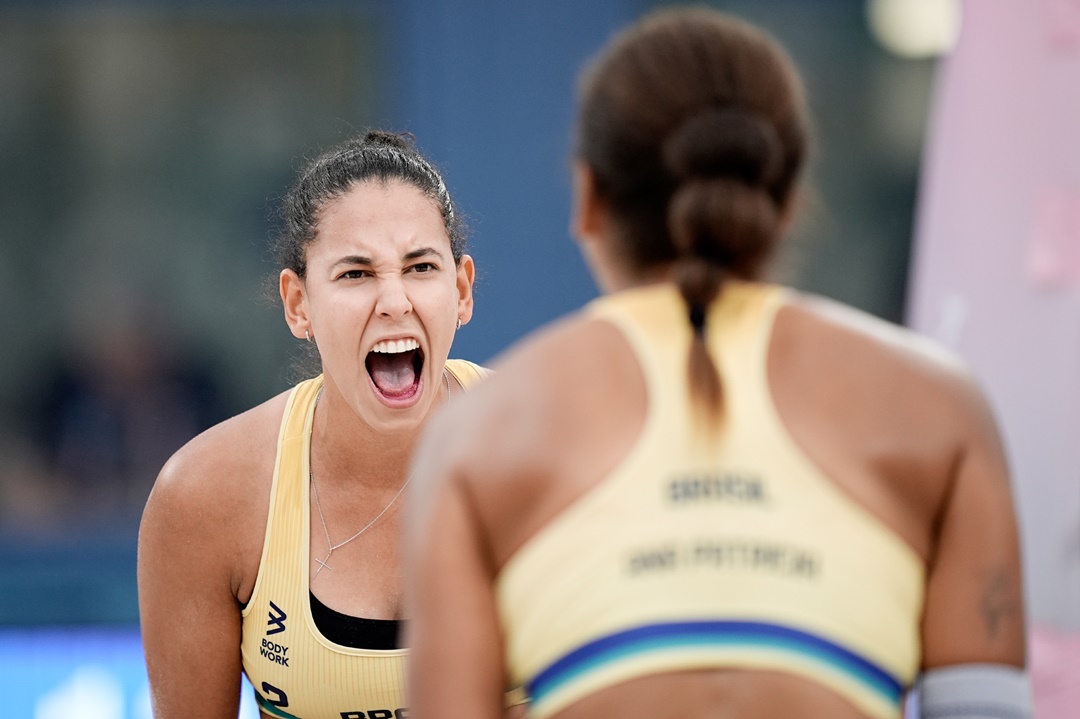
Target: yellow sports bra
(295, 670)
(732, 551)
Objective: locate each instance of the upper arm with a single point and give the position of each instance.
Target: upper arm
(189, 614)
(456, 666)
(974, 609)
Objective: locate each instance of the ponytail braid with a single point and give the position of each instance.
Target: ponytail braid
(721, 220)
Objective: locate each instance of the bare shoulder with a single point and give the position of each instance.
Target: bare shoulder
(878, 356)
(528, 390)
(222, 462)
(213, 493)
(903, 413)
(874, 334)
(561, 408)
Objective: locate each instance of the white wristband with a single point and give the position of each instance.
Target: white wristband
(975, 691)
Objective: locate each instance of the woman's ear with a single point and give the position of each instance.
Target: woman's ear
(588, 216)
(294, 299)
(466, 273)
(591, 225)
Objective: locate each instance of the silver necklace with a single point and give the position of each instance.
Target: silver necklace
(323, 563)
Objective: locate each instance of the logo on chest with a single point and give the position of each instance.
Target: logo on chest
(276, 620)
(277, 653)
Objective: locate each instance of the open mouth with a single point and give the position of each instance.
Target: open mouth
(395, 369)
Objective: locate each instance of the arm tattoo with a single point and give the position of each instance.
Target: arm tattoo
(998, 603)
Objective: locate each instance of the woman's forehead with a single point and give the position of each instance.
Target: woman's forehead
(381, 221)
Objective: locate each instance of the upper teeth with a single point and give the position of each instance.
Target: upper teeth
(394, 346)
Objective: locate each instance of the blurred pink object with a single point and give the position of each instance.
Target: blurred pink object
(1054, 238)
(1054, 662)
(995, 273)
(1065, 28)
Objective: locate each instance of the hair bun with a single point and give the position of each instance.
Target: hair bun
(402, 141)
(724, 142)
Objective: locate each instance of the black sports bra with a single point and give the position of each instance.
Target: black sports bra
(355, 632)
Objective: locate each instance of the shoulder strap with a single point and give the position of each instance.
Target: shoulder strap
(466, 373)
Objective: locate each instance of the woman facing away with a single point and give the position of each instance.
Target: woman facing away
(710, 496)
(270, 544)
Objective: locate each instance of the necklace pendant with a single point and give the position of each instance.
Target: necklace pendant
(322, 564)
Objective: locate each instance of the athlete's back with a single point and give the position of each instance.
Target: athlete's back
(705, 496)
(908, 436)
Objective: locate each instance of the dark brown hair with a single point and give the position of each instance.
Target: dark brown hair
(377, 156)
(694, 127)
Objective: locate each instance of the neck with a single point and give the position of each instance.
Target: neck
(610, 269)
(351, 452)
(627, 279)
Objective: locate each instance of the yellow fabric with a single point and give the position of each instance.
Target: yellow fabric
(466, 373)
(296, 671)
(721, 549)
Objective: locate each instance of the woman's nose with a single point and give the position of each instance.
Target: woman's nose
(393, 300)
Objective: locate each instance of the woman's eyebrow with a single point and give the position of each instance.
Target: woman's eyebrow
(421, 252)
(353, 260)
(411, 255)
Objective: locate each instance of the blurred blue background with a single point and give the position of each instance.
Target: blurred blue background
(143, 147)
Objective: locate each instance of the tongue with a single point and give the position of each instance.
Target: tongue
(393, 374)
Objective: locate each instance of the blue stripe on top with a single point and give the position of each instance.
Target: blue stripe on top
(719, 634)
